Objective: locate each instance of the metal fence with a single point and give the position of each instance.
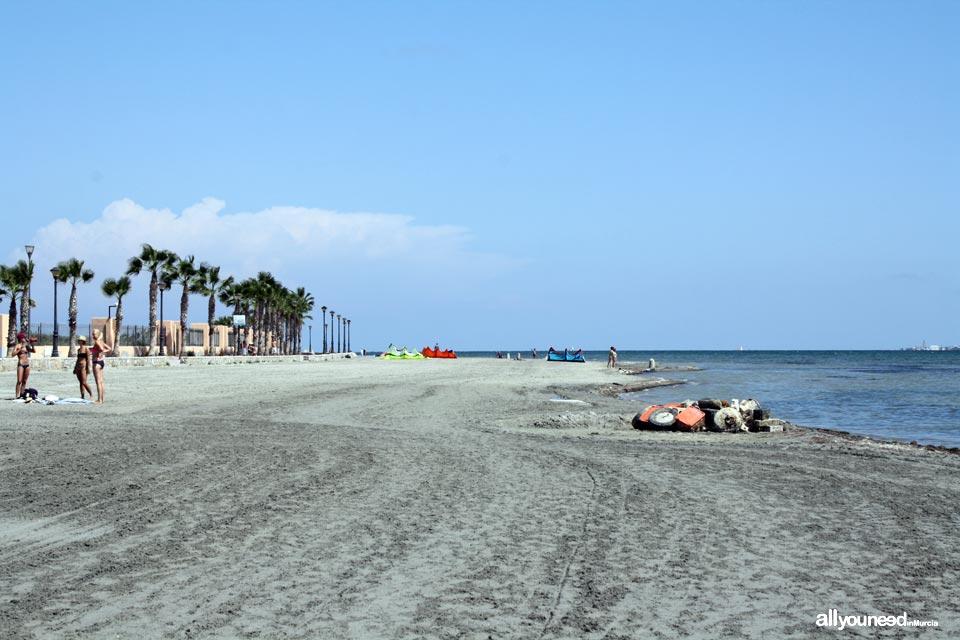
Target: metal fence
(135, 336)
(43, 332)
(130, 335)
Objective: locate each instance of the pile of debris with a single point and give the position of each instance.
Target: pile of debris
(708, 415)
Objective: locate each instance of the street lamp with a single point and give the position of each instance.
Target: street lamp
(25, 303)
(338, 333)
(348, 334)
(163, 333)
(55, 353)
(323, 316)
(331, 330)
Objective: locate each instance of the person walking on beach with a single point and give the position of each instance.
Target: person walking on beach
(23, 349)
(97, 351)
(612, 358)
(82, 368)
(534, 350)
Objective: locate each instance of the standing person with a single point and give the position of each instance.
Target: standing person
(82, 368)
(534, 350)
(97, 351)
(612, 357)
(23, 349)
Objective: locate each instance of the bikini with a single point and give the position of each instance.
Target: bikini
(81, 365)
(96, 361)
(25, 365)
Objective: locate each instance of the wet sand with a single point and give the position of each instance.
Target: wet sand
(448, 499)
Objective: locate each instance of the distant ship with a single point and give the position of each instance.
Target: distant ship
(933, 347)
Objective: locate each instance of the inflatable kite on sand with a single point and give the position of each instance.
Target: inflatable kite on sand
(565, 356)
(393, 353)
(437, 353)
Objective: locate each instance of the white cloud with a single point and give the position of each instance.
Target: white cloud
(324, 251)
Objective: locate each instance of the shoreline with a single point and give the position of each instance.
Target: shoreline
(612, 388)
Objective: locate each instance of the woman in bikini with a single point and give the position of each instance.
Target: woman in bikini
(97, 351)
(82, 368)
(23, 350)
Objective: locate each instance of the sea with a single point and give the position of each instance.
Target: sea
(890, 395)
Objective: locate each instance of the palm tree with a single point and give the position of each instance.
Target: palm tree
(8, 285)
(14, 280)
(232, 293)
(154, 261)
(273, 312)
(72, 271)
(209, 284)
(279, 312)
(116, 288)
(183, 271)
(302, 305)
(24, 270)
(261, 290)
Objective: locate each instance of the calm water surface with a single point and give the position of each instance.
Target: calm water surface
(903, 395)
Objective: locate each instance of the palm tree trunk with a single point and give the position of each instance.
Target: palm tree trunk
(254, 325)
(116, 335)
(154, 329)
(184, 303)
(261, 327)
(211, 310)
(73, 321)
(24, 305)
(12, 325)
(277, 329)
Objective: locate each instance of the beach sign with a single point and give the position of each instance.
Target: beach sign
(240, 321)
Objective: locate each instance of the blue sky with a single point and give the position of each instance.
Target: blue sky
(653, 175)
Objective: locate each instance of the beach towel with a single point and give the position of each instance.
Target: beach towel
(71, 401)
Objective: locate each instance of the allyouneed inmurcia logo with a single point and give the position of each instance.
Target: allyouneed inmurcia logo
(832, 618)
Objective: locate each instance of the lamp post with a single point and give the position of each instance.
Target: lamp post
(163, 333)
(25, 303)
(343, 323)
(348, 334)
(55, 353)
(323, 316)
(311, 338)
(331, 330)
(338, 333)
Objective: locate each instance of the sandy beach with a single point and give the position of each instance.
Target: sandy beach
(449, 499)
